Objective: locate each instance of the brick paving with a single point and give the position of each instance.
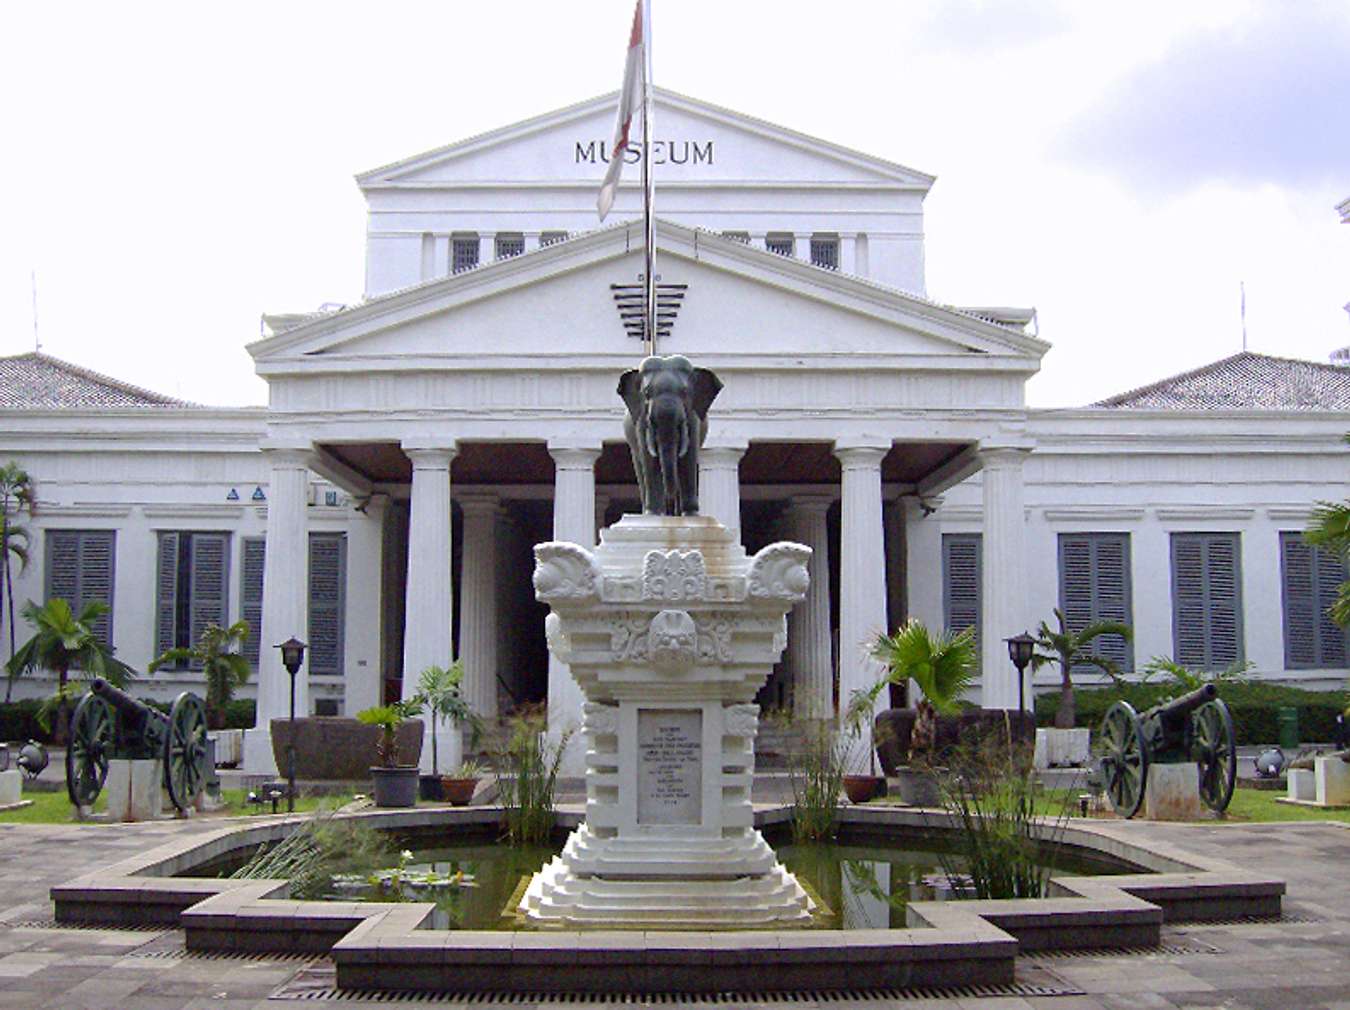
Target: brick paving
(1292, 965)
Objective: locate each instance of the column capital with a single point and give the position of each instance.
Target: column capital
(429, 457)
(994, 457)
(860, 457)
(574, 457)
(287, 457)
(811, 503)
(479, 503)
(917, 506)
(722, 455)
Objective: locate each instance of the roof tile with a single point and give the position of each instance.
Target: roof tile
(1245, 381)
(39, 381)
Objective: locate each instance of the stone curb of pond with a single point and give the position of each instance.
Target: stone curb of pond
(388, 947)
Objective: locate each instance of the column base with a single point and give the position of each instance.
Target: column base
(666, 883)
(258, 757)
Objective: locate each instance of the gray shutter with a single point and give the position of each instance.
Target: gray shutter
(1094, 585)
(166, 593)
(1330, 572)
(961, 582)
(97, 573)
(1206, 600)
(1300, 602)
(251, 596)
(63, 566)
(327, 581)
(210, 564)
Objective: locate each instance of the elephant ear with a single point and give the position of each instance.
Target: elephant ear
(706, 386)
(630, 384)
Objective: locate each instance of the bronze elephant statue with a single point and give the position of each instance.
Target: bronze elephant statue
(667, 420)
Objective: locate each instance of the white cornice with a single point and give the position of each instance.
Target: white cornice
(203, 511)
(1191, 513)
(1082, 514)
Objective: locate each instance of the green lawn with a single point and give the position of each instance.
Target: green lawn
(55, 808)
(1248, 806)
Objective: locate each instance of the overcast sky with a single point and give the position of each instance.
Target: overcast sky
(174, 170)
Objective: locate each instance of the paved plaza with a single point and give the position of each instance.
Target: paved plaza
(1302, 963)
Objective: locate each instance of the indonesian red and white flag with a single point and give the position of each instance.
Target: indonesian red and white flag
(630, 104)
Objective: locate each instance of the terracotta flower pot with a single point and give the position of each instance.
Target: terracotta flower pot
(861, 788)
(458, 791)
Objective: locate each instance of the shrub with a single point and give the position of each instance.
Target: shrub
(19, 722)
(1254, 706)
(241, 713)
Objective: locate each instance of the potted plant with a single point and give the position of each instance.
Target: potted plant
(942, 667)
(861, 782)
(395, 784)
(439, 689)
(458, 784)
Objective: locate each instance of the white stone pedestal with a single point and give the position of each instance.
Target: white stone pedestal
(1331, 778)
(1302, 788)
(1173, 792)
(134, 789)
(11, 787)
(669, 629)
(1062, 748)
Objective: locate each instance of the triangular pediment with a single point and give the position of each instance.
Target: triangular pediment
(695, 143)
(558, 301)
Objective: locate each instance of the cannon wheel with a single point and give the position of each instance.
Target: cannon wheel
(1124, 758)
(185, 750)
(91, 739)
(1216, 753)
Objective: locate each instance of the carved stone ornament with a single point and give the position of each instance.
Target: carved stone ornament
(558, 642)
(778, 572)
(628, 637)
(672, 641)
(714, 640)
(565, 572)
(600, 720)
(740, 720)
(674, 575)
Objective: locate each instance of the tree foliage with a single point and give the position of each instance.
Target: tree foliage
(942, 666)
(217, 654)
(1074, 648)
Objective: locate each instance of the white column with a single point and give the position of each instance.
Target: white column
(809, 654)
(365, 560)
(573, 522)
(862, 574)
(802, 244)
(487, 247)
(531, 241)
(1003, 572)
(478, 603)
(428, 629)
(285, 602)
(719, 484)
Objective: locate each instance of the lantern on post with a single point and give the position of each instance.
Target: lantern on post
(292, 658)
(1020, 649)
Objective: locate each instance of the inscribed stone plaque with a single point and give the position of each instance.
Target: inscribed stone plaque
(670, 766)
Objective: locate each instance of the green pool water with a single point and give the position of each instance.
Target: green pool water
(859, 885)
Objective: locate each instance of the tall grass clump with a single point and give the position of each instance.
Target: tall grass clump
(816, 769)
(527, 775)
(321, 847)
(1003, 847)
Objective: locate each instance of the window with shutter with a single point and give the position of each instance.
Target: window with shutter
(1206, 600)
(251, 595)
(782, 243)
(825, 251)
(327, 602)
(463, 253)
(509, 244)
(961, 583)
(1310, 579)
(80, 568)
(191, 588)
(1094, 585)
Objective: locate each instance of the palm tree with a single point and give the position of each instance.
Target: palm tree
(63, 641)
(439, 688)
(218, 656)
(942, 666)
(1070, 649)
(16, 494)
(1330, 531)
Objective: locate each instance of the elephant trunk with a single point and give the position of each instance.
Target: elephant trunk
(670, 443)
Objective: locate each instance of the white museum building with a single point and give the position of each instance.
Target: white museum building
(384, 505)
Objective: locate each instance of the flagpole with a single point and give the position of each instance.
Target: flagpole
(648, 222)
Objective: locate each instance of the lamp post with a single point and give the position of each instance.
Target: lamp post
(1020, 649)
(292, 658)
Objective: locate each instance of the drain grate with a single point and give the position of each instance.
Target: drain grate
(143, 927)
(1253, 920)
(170, 947)
(317, 982)
(1170, 948)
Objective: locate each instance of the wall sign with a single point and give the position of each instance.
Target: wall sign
(664, 152)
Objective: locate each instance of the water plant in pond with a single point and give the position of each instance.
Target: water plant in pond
(403, 882)
(816, 765)
(527, 776)
(320, 848)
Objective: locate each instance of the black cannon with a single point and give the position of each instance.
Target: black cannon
(109, 723)
(1196, 727)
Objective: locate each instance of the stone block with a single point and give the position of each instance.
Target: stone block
(1331, 781)
(134, 790)
(1302, 786)
(1173, 792)
(1062, 748)
(11, 787)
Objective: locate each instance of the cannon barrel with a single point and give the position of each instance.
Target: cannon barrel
(1174, 713)
(122, 701)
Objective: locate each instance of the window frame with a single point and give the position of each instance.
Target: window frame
(1095, 540)
(465, 240)
(951, 542)
(822, 241)
(1325, 656)
(103, 627)
(1204, 602)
